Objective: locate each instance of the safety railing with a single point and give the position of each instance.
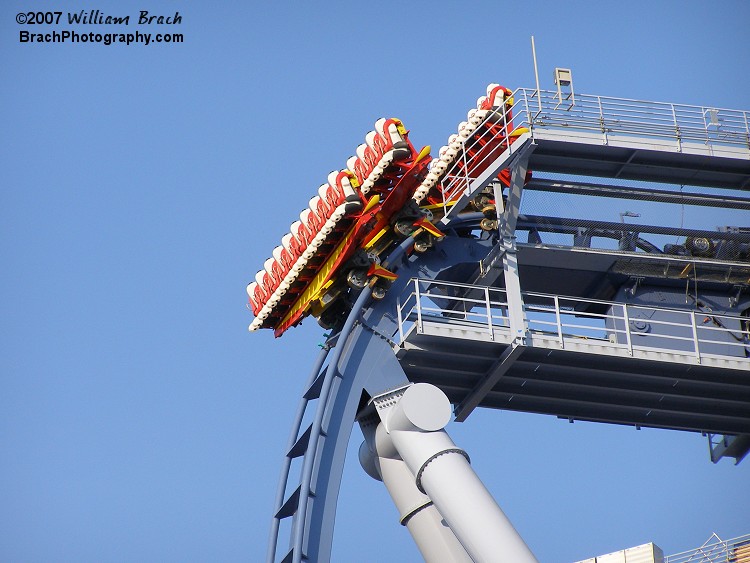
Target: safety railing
(677, 123)
(715, 550)
(460, 303)
(569, 320)
(478, 146)
(481, 147)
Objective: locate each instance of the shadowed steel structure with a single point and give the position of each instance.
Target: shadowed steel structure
(585, 318)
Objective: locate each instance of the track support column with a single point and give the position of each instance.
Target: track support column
(435, 540)
(412, 425)
(507, 220)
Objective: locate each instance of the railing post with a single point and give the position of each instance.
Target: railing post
(400, 320)
(466, 167)
(705, 127)
(676, 128)
(527, 109)
(489, 311)
(466, 310)
(601, 120)
(695, 336)
(559, 322)
(418, 305)
(627, 328)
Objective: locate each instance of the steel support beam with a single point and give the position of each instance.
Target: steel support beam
(521, 148)
(729, 446)
(507, 229)
(623, 192)
(434, 538)
(412, 427)
(503, 364)
(508, 213)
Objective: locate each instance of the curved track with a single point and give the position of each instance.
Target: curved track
(356, 361)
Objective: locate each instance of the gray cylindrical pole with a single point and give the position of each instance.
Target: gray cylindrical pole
(442, 471)
(435, 540)
(536, 74)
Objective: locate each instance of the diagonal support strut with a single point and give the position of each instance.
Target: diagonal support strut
(493, 375)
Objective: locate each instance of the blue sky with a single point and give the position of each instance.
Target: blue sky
(141, 187)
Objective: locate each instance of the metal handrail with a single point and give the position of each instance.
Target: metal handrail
(478, 150)
(566, 319)
(411, 307)
(678, 122)
(542, 110)
(724, 551)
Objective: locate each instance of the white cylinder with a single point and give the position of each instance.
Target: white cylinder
(435, 540)
(472, 513)
(422, 407)
(443, 472)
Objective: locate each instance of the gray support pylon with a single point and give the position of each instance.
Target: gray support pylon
(507, 230)
(413, 421)
(512, 208)
(435, 540)
(516, 313)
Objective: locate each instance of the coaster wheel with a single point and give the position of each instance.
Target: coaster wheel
(356, 278)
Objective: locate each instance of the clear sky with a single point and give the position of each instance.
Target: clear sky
(142, 186)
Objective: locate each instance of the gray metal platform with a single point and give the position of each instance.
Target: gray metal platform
(588, 379)
(580, 357)
(602, 368)
(628, 159)
(633, 139)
